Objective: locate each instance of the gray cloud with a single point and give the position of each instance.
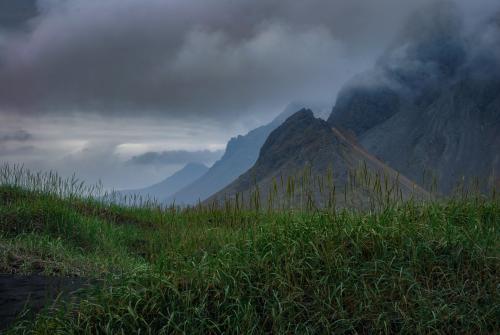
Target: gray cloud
(15, 136)
(15, 143)
(80, 72)
(214, 59)
(15, 151)
(176, 157)
(438, 42)
(15, 14)
(99, 148)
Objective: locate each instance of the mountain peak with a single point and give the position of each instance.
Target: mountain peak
(294, 134)
(303, 114)
(302, 140)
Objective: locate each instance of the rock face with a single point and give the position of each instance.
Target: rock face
(432, 104)
(241, 153)
(164, 189)
(301, 143)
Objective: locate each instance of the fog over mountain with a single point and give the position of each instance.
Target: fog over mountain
(96, 83)
(429, 111)
(432, 103)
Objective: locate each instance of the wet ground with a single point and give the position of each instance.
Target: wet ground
(34, 292)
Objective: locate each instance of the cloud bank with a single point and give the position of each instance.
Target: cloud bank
(99, 81)
(19, 135)
(217, 59)
(177, 157)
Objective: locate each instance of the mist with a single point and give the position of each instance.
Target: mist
(193, 74)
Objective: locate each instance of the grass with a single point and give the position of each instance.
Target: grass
(406, 268)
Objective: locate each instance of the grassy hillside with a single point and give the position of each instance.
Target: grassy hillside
(407, 268)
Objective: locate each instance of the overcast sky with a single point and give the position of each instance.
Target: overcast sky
(87, 85)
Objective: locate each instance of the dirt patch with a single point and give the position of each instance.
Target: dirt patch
(17, 293)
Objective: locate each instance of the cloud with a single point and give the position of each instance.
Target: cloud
(15, 143)
(484, 58)
(176, 157)
(437, 44)
(16, 151)
(99, 148)
(15, 136)
(199, 72)
(15, 14)
(215, 59)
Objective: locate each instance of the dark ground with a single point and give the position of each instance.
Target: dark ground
(34, 292)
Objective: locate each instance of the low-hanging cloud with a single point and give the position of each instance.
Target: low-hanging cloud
(15, 143)
(438, 44)
(215, 59)
(176, 157)
(201, 64)
(19, 135)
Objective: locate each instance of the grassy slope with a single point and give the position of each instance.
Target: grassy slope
(410, 268)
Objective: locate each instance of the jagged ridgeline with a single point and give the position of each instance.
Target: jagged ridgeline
(307, 164)
(240, 155)
(427, 114)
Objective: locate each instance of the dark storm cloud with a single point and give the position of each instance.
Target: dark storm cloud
(15, 143)
(176, 157)
(14, 14)
(484, 58)
(215, 58)
(213, 68)
(15, 136)
(439, 42)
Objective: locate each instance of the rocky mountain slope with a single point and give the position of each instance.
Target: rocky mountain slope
(305, 147)
(241, 153)
(431, 106)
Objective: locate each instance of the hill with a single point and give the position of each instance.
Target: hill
(411, 268)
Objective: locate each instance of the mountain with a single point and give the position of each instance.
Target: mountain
(162, 190)
(431, 106)
(241, 153)
(307, 147)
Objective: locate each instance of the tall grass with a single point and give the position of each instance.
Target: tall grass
(303, 191)
(240, 266)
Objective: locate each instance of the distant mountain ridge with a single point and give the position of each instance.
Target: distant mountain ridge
(241, 153)
(162, 190)
(304, 141)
